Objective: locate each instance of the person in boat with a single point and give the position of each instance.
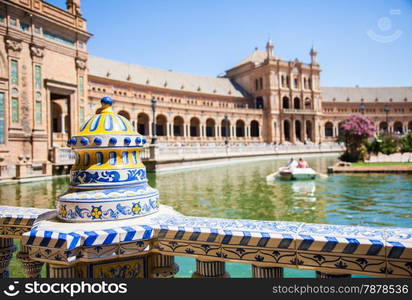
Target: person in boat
(302, 163)
(292, 164)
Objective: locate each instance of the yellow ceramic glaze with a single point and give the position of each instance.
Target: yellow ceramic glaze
(105, 121)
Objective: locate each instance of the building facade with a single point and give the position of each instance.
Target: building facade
(49, 85)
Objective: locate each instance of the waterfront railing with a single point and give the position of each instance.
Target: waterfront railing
(147, 246)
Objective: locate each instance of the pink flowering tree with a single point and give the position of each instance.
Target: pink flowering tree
(354, 132)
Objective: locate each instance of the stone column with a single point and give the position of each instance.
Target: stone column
(330, 275)
(31, 268)
(216, 131)
(149, 124)
(201, 129)
(293, 132)
(63, 123)
(267, 272)
(184, 130)
(171, 130)
(6, 253)
(210, 269)
(58, 271)
(162, 266)
(304, 136)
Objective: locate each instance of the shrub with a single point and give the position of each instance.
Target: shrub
(406, 143)
(355, 132)
(374, 146)
(389, 144)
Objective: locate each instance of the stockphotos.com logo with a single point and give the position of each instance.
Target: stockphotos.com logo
(71, 289)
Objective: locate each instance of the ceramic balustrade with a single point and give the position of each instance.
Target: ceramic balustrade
(146, 246)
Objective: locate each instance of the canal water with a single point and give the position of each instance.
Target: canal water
(240, 191)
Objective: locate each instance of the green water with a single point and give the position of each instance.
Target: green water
(240, 191)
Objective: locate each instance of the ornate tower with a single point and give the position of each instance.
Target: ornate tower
(313, 56)
(73, 6)
(269, 49)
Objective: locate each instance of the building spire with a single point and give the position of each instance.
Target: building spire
(269, 48)
(313, 55)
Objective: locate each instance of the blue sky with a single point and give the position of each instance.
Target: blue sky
(364, 42)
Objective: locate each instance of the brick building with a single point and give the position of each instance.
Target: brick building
(49, 85)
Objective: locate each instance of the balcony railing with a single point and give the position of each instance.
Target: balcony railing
(152, 243)
(299, 111)
(62, 156)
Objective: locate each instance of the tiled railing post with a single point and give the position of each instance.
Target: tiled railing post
(31, 268)
(162, 266)
(210, 269)
(6, 253)
(267, 272)
(58, 271)
(330, 275)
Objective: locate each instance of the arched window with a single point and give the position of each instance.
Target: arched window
(329, 129)
(296, 103)
(285, 102)
(254, 129)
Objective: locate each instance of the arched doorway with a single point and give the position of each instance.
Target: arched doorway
(161, 125)
(240, 128)
(296, 103)
(309, 130)
(285, 102)
(286, 130)
(178, 124)
(210, 127)
(254, 128)
(143, 124)
(410, 126)
(383, 126)
(298, 130)
(259, 102)
(328, 129)
(225, 128)
(194, 127)
(398, 127)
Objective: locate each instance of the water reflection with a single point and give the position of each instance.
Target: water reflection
(241, 191)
